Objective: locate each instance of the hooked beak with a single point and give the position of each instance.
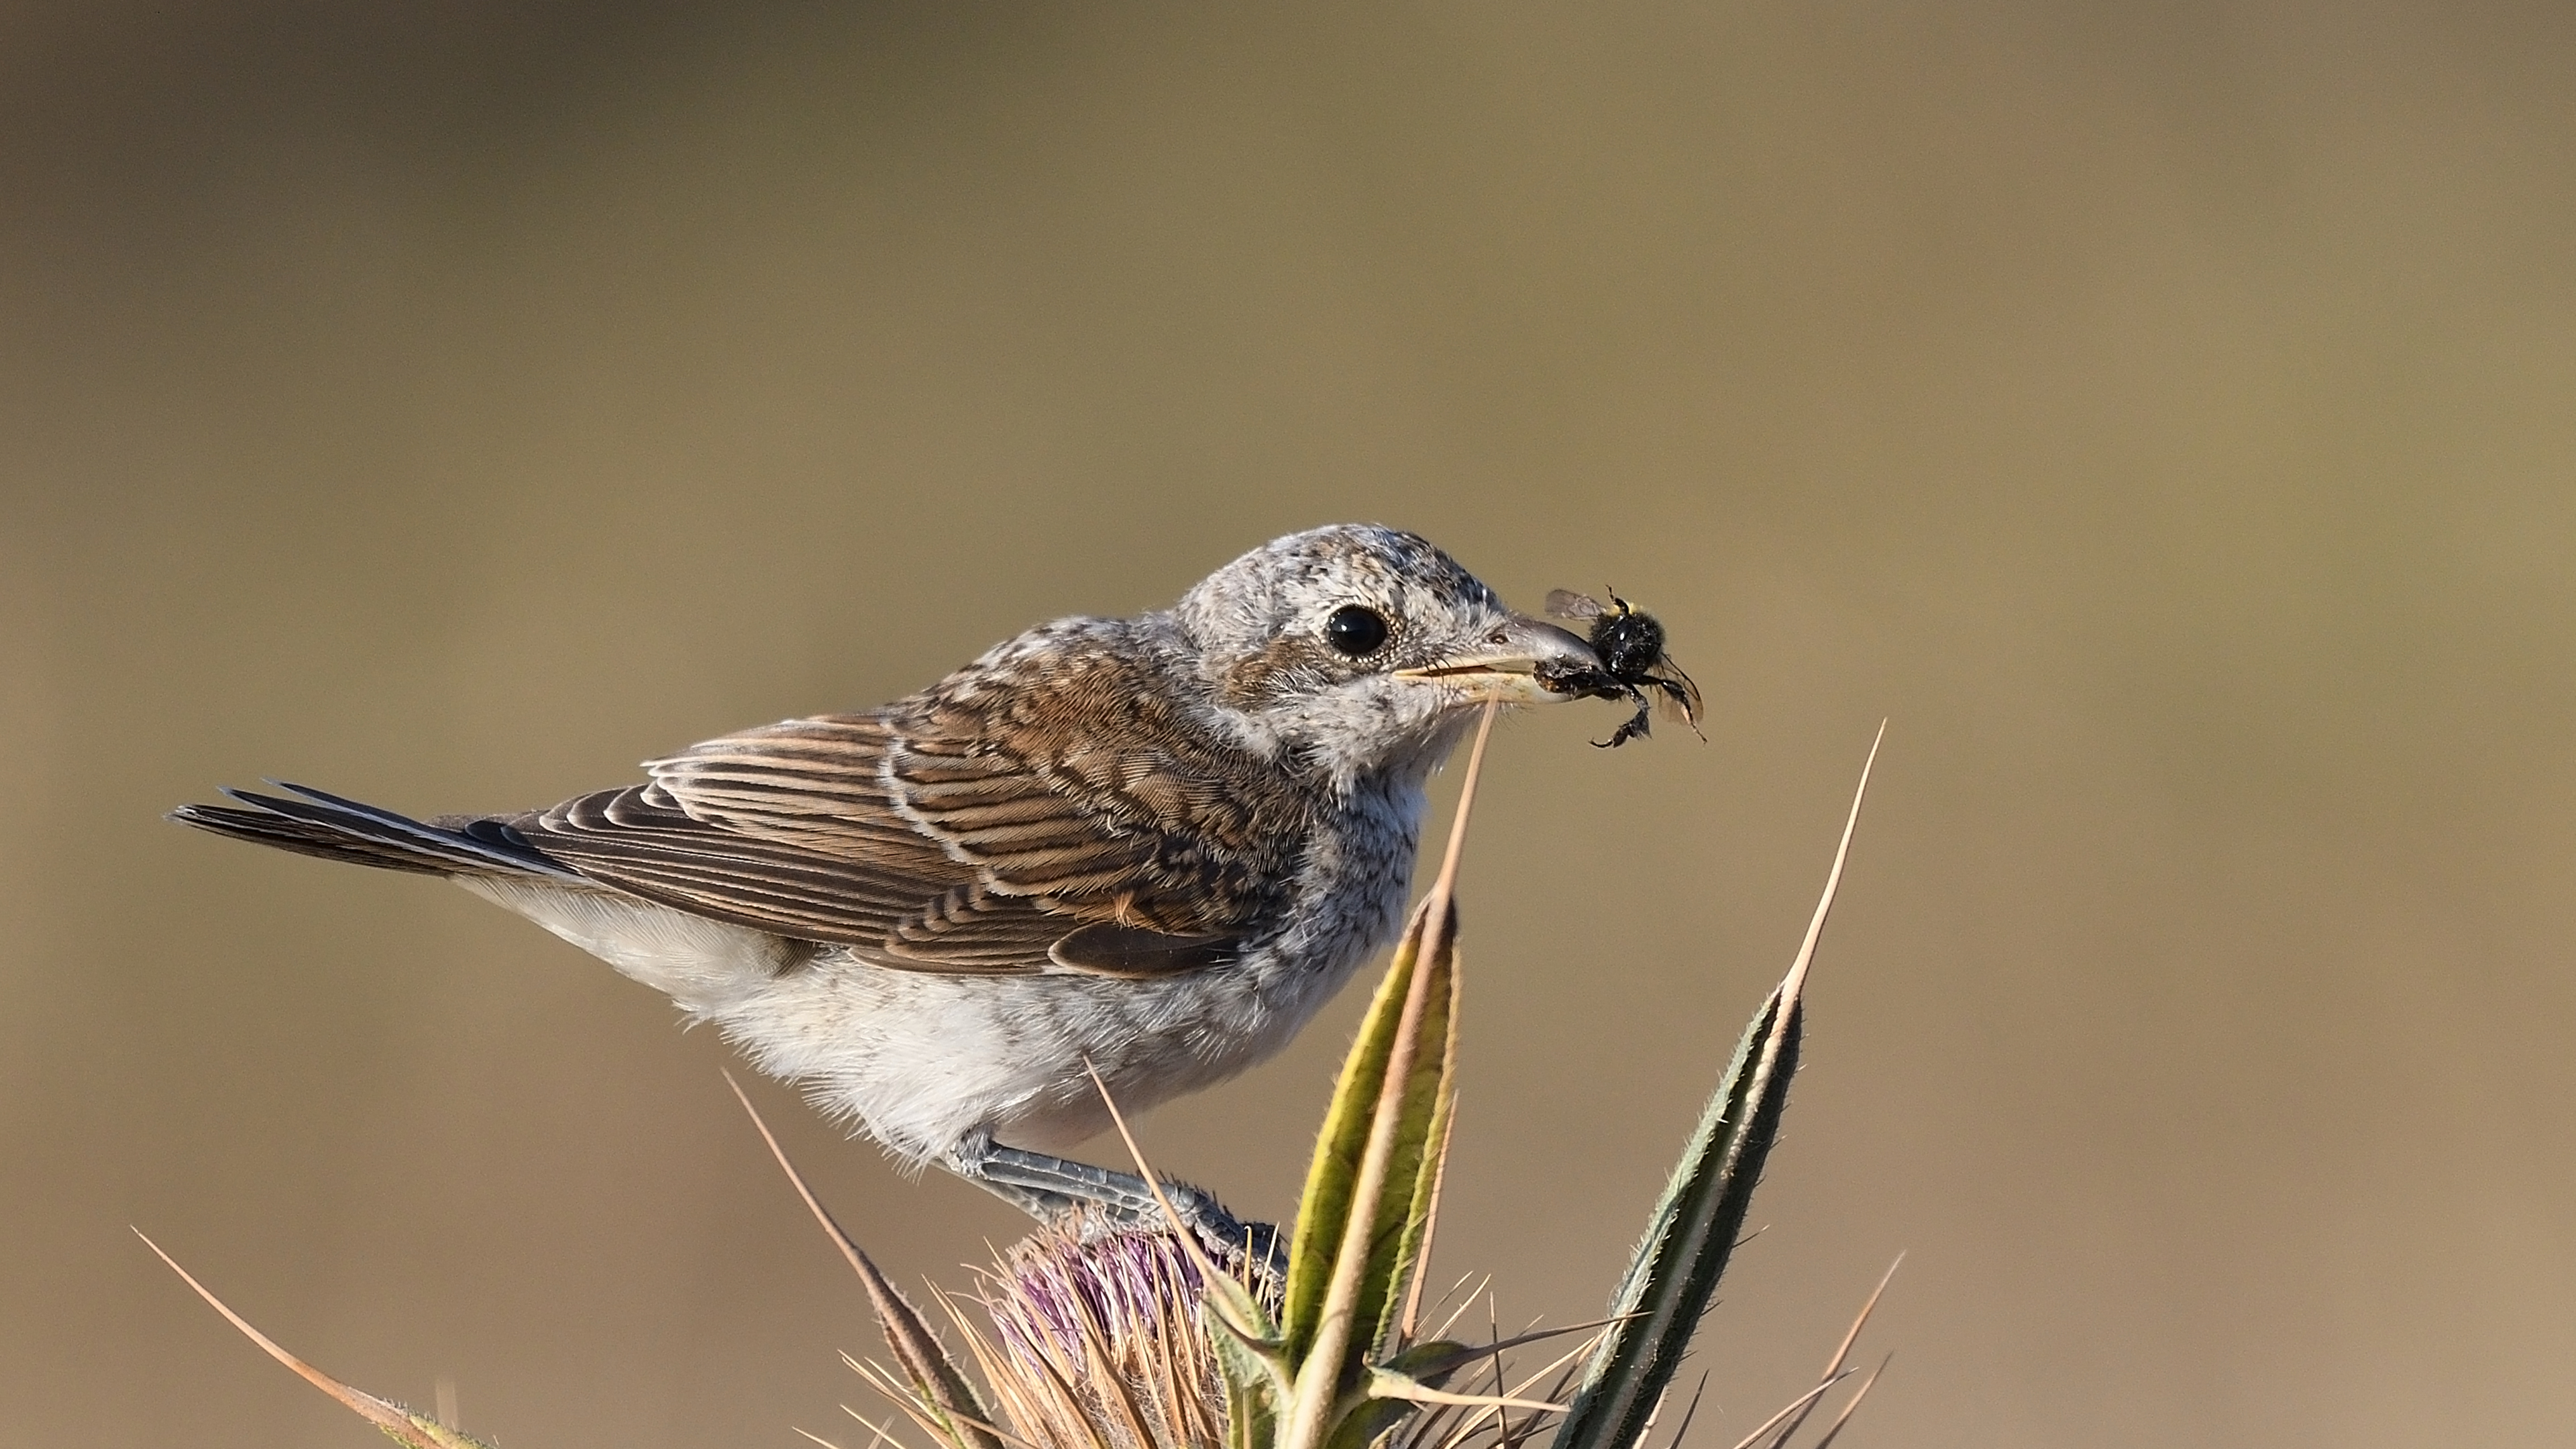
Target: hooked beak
(1518, 662)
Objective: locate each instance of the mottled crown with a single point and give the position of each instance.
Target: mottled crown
(1272, 589)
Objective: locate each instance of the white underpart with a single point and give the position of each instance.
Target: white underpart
(923, 1061)
(709, 968)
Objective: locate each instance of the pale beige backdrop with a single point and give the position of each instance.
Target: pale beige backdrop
(2162, 414)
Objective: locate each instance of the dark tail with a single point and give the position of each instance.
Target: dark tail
(337, 829)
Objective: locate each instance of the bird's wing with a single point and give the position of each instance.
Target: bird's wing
(922, 841)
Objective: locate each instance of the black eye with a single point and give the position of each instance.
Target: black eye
(1355, 629)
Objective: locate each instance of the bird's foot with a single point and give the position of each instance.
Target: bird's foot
(1097, 1199)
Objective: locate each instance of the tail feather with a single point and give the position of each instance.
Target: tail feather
(325, 825)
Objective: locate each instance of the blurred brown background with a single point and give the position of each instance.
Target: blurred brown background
(2161, 413)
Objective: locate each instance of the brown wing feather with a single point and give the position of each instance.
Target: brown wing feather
(931, 836)
(633, 840)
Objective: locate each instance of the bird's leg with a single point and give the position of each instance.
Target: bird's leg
(1038, 1203)
(1051, 1189)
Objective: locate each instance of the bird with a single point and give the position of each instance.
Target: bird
(1149, 848)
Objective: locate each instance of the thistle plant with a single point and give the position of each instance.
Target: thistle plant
(1089, 1336)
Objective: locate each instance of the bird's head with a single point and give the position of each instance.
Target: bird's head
(1364, 650)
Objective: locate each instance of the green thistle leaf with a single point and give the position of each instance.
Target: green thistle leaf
(1694, 1230)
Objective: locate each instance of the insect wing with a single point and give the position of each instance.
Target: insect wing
(1675, 692)
(1567, 604)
